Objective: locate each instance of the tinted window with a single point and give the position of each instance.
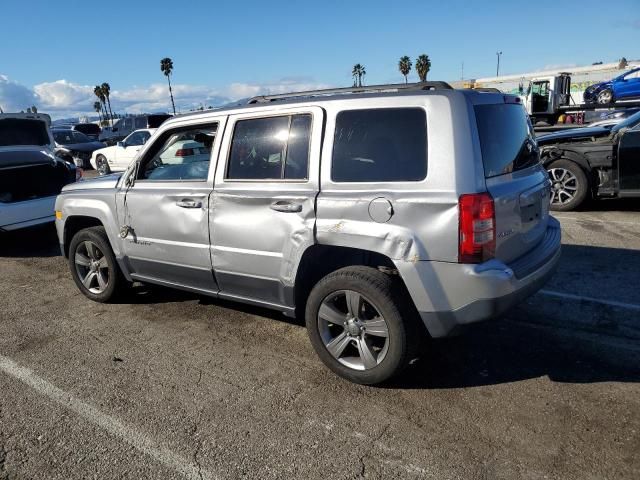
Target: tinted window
(135, 138)
(382, 145)
(16, 131)
(506, 138)
(270, 148)
(88, 128)
(79, 137)
(63, 137)
(182, 154)
(154, 121)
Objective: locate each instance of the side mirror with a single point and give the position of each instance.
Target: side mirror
(121, 145)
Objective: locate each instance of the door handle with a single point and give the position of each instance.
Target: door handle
(286, 206)
(188, 203)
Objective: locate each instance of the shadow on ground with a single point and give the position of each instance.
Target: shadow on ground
(40, 241)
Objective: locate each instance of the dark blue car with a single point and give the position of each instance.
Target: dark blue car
(623, 87)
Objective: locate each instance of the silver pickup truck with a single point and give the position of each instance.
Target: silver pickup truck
(380, 215)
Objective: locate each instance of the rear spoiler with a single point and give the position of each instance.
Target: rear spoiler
(43, 117)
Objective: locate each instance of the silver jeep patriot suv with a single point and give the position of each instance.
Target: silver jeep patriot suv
(378, 214)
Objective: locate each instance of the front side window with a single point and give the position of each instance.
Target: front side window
(380, 145)
(181, 154)
(274, 148)
(135, 139)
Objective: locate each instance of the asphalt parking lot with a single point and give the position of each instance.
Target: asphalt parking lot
(172, 385)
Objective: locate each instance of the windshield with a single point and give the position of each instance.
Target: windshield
(630, 122)
(68, 137)
(506, 138)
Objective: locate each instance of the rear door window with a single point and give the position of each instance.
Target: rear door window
(380, 145)
(506, 138)
(272, 148)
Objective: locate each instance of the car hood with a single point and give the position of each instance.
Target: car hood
(87, 147)
(103, 182)
(572, 133)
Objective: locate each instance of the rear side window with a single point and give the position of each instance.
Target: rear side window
(381, 145)
(273, 148)
(506, 138)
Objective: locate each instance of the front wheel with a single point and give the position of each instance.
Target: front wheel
(359, 325)
(605, 97)
(102, 165)
(569, 185)
(93, 265)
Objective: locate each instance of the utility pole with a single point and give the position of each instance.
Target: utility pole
(498, 66)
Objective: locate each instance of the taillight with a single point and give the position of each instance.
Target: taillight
(477, 231)
(184, 152)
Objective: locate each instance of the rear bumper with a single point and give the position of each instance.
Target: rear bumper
(450, 295)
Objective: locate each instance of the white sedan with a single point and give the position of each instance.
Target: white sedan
(118, 157)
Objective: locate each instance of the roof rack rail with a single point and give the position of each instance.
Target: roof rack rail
(437, 85)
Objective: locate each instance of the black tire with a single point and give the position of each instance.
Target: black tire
(115, 281)
(387, 295)
(581, 185)
(102, 166)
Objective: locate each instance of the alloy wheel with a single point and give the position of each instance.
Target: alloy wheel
(564, 186)
(92, 267)
(353, 330)
(605, 97)
(102, 166)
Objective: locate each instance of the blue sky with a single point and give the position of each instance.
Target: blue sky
(228, 49)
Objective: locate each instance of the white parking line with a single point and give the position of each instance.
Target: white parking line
(111, 424)
(571, 296)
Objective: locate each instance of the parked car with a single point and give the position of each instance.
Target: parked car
(74, 146)
(117, 158)
(598, 162)
(30, 174)
(125, 126)
(331, 205)
(91, 130)
(622, 87)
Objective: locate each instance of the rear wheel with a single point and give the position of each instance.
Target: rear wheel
(569, 185)
(93, 265)
(358, 324)
(605, 96)
(102, 165)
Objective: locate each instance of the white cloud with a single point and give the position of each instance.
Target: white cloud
(15, 97)
(62, 98)
(62, 94)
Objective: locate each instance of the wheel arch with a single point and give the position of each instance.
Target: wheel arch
(74, 224)
(319, 260)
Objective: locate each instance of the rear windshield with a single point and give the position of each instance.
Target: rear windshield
(15, 131)
(154, 121)
(88, 128)
(506, 138)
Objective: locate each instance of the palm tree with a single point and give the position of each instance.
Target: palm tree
(358, 74)
(106, 91)
(98, 93)
(405, 67)
(423, 65)
(166, 66)
(97, 106)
